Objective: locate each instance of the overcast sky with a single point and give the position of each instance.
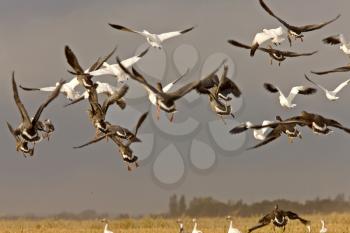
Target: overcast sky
(58, 178)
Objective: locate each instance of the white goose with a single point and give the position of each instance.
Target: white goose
(323, 229)
(195, 230)
(68, 89)
(331, 95)
(287, 101)
(274, 35)
(339, 39)
(155, 40)
(106, 226)
(259, 134)
(115, 70)
(231, 229)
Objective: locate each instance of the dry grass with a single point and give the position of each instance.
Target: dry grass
(336, 223)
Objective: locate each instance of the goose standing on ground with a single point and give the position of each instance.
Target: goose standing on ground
(102, 88)
(338, 39)
(331, 95)
(279, 218)
(21, 145)
(125, 151)
(155, 40)
(181, 226)
(28, 129)
(323, 227)
(296, 32)
(274, 35)
(287, 101)
(105, 230)
(162, 100)
(115, 70)
(231, 229)
(195, 230)
(274, 54)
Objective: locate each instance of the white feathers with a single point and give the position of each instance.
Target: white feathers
(275, 35)
(195, 230)
(106, 229)
(323, 228)
(345, 46)
(231, 229)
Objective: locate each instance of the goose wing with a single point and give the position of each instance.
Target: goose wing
(339, 69)
(168, 35)
(24, 114)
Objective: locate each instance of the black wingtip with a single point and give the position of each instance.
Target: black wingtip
(144, 52)
(187, 30)
(253, 49)
(271, 88)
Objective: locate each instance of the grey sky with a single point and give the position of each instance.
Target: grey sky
(57, 178)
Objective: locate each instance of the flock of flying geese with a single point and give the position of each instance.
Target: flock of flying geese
(32, 130)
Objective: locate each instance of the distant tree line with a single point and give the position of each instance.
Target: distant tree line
(209, 207)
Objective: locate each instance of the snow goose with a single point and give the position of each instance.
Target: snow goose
(287, 101)
(323, 227)
(195, 230)
(115, 70)
(338, 39)
(231, 229)
(279, 218)
(28, 129)
(331, 95)
(296, 32)
(274, 35)
(155, 40)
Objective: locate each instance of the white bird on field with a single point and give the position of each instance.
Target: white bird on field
(339, 39)
(155, 40)
(195, 230)
(274, 35)
(231, 229)
(287, 101)
(115, 70)
(331, 95)
(323, 229)
(106, 227)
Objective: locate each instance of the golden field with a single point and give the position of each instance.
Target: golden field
(336, 223)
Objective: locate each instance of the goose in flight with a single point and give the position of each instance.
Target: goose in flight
(345, 68)
(274, 35)
(21, 145)
(296, 32)
(102, 88)
(115, 70)
(274, 54)
(125, 151)
(279, 128)
(279, 218)
(287, 101)
(97, 112)
(195, 230)
(28, 128)
(218, 91)
(330, 94)
(323, 227)
(317, 123)
(155, 40)
(259, 134)
(159, 97)
(231, 229)
(338, 39)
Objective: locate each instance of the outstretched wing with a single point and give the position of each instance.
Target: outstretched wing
(115, 97)
(332, 40)
(168, 35)
(294, 54)
(269, 11)
(336, 70)
(313, 27)
(21, 108)
(51, 97)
